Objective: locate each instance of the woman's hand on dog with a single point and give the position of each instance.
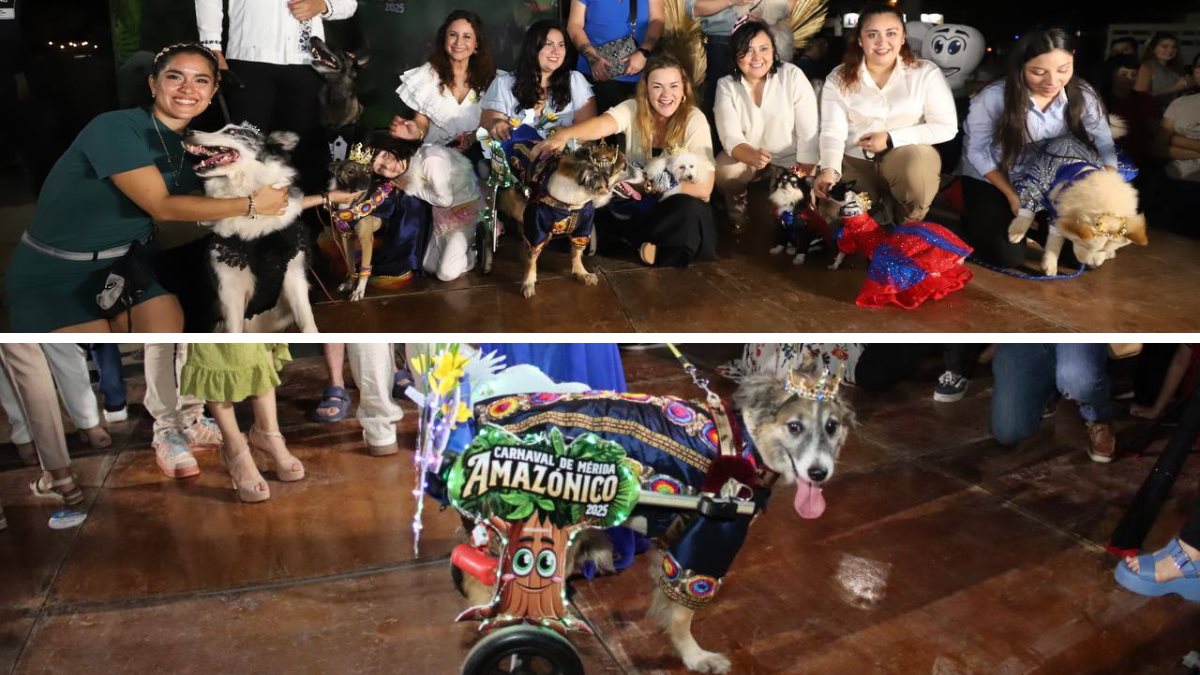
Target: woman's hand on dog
(271, 200)
(500, 130)
(551, 146)
(345, 196)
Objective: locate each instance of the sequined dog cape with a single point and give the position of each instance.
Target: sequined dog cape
(910, 264)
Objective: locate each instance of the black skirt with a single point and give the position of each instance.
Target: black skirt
(682, 228)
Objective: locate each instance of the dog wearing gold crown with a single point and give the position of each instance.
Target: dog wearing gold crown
(776, 430)
(564, 193)
(354, 175)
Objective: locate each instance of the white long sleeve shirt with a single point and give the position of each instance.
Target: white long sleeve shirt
(263, 31)
(785, 125)
(914, 106)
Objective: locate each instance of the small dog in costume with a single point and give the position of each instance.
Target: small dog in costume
(1094, 209)
(777, 431)
(564, 192)
(665, 173)
(910, 263)
(801, 228)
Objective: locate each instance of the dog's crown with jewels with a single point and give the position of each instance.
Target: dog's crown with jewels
(360, 154)
(821, 388)
(603, 155)
(246, 125)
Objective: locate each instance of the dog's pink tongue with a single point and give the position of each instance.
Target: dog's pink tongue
(810, 503)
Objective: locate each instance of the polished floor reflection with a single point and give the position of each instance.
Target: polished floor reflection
(987, 559)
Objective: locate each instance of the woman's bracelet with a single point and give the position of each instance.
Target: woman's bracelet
(250, 212)
(325, 201)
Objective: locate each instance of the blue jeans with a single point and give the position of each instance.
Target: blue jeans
(1028, 375)
(112, 384)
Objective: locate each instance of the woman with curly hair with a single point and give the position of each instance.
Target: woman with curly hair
(445, 92)
(542, 83)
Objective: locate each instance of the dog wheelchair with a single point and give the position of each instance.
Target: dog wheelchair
(586, 482)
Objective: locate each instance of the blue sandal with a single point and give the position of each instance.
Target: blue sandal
(333, 397)
(1143, 582)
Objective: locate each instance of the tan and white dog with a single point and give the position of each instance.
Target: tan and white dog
(564, 192)
(796, 425)
(1095, 209)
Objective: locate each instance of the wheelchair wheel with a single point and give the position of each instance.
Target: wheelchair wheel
(523, 650)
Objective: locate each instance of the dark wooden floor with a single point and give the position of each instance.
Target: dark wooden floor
(992, 558)
(1151, 289)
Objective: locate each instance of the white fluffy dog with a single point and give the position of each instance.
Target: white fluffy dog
(668, 172)
(259, 263)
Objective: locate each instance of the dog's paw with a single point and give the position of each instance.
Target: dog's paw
(529, 288)
(791, 249)
(837, 262)
(707, 662)
(1050, 266)
(345, 287)
(358, 294)
(587, 278)
(776, 250)
(798, 259)
(1018, 228)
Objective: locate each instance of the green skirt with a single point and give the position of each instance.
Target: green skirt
(47, 293)
(231, 372)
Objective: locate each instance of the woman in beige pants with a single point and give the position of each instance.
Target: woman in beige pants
(882, 111)
(27, 369)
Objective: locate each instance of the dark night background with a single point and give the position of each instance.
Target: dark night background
(67, 87)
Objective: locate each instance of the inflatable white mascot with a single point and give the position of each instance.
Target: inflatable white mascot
(957, 50)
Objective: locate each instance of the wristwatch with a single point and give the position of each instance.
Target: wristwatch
(645, 52)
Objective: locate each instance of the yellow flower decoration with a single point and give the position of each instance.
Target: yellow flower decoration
(552, 116)
(419, 364)
(514, 122)
(463, 414)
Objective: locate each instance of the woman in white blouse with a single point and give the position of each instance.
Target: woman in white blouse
(882, 110)
(542, 83)
(766, 115)
(445, 92)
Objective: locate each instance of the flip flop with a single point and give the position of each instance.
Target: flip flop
(333, 397)
(1142, 582)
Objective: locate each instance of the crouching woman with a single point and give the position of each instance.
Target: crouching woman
(661, 118)
(444, 178)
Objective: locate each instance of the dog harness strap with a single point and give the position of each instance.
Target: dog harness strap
(78, 256)
(343, 217)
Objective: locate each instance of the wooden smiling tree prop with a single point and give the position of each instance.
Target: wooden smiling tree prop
(536, 492)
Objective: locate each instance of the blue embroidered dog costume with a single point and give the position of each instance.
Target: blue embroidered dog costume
(675, 443)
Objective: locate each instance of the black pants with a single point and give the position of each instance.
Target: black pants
(883, 365)
(283, 98)
(961, 358)
(681, 228)
(1190, 534)
(611, 93)
(985, 227)
(719, 64)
